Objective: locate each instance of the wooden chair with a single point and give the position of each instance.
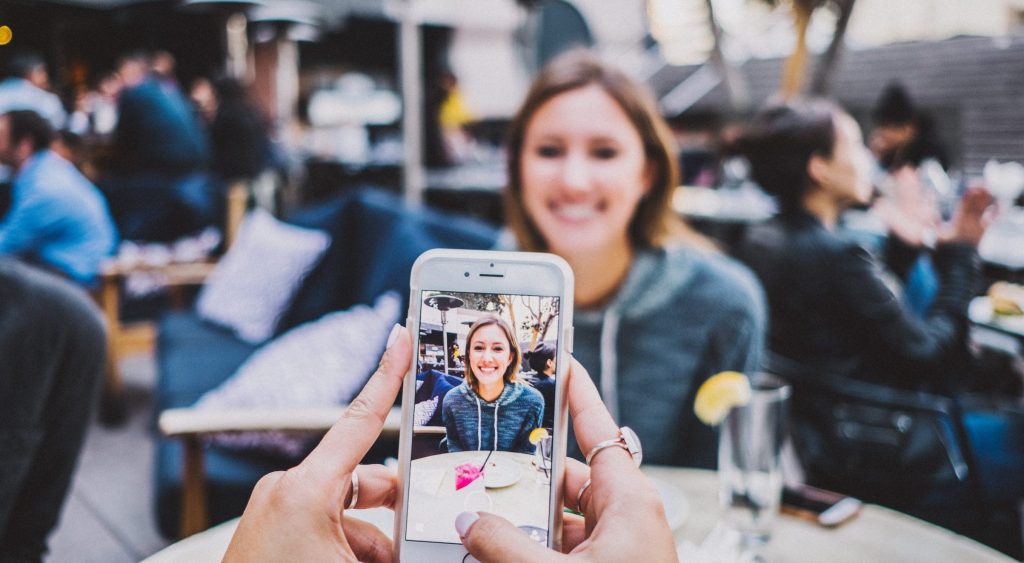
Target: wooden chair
(127, 339)
(191, 426)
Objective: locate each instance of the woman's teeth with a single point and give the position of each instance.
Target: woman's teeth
(576, 211)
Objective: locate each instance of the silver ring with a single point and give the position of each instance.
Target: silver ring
(627, 440)
(355, 489)
(579, 496)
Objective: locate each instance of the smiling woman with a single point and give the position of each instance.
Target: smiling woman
(492, 409)
(592, 170)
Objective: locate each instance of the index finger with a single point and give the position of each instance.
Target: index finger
(350, 438)
(594, 424)
(590, 418)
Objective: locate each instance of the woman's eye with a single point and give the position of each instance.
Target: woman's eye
(605, 153)
(549, 151)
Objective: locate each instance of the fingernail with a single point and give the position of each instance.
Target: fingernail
(394, 335)
(464, 521)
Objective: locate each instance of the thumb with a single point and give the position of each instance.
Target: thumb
(488, 538)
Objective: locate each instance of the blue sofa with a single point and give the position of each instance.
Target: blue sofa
(375, 240)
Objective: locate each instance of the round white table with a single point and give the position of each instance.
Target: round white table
(514, 489)
(876, 534)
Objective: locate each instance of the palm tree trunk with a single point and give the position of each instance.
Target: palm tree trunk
(821, 84)
(735, 84)
(796, 64)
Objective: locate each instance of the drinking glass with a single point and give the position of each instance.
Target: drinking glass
(542, 459)
(749, 460)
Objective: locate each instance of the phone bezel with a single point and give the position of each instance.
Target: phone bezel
(518, 273)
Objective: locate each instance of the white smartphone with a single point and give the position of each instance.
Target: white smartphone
(484, 409)
(827, 508)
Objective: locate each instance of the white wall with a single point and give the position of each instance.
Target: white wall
(490, 67)
(876, 22)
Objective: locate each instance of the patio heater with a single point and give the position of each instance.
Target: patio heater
(444, 303)
(286, 23)
(235, 38)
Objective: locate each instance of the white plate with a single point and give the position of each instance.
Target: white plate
(677, 508)
(980, 312)
(501, 473)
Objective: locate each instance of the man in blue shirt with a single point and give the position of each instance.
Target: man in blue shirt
(27, 86)
(57, 217)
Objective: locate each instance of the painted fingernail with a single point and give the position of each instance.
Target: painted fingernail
(394, 334)
(464, 521)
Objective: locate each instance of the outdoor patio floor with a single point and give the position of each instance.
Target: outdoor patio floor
(108, 515)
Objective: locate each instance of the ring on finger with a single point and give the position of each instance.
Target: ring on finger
(579, 496)
(355, 489)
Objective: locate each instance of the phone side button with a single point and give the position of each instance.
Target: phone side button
(567, 337)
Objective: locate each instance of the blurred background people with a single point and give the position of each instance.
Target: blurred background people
(57, 217)
(27, 86)
(52, 350)
(913, 186)
(239, 134)
(95, 113)
(158, 190)
(833, 306)
(840, 312)
(903, 134)
(204, 100)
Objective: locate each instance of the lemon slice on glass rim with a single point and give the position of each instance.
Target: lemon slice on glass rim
(719, 394)
(538, 434)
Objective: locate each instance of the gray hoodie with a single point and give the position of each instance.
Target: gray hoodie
(503, 425)
(681, 316)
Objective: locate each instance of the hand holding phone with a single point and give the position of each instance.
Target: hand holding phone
(620, 498)
(298, 515)
(484, 413)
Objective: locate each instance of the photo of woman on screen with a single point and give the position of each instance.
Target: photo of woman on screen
(493, 409)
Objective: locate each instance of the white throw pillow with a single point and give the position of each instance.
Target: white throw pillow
(254, 282)
(318, 364)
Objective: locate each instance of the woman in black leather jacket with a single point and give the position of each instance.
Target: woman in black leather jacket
(834, 306)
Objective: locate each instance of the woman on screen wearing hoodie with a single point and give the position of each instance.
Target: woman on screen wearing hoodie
(592, 171)
(492, 409)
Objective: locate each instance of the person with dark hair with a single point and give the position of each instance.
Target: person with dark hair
(912, 184)
(542, 362)
(593, 168)
(52, 351)
(903, 134)
(239, 133)
(158, 189)
(57, 217)
(832, 305)
(493, 409)
(27, 87)
(837, 310)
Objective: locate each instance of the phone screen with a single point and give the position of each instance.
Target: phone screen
(483, 422)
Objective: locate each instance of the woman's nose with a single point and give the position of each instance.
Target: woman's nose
(575, 173)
